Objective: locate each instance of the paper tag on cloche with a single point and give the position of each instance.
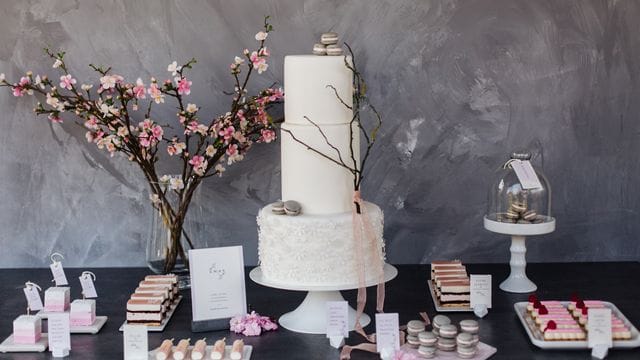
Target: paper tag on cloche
(58, 271)
(32, 294)
(526, 175)
(88, 287)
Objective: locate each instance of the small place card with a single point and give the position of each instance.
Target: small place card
(217, 285)
(599, 328)
(526, 175)
(480, 290)
(136, 342)
(58, 274)
(88, 287)
(34, 301)
(387, 333)
(59, 334)
(337, 319)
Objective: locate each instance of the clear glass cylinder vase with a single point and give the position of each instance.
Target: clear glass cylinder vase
(163, 238)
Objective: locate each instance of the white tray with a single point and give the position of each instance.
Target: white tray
(246, 353)
(484, 351)
(164, 322)
(535, 335)
(89, 329)
(8, 345)
(45, 315)
(436, 302)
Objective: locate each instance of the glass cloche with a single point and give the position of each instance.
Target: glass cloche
(511, 203)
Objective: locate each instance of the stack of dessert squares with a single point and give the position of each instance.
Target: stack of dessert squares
(557, 321)
(153, 298)
(451, 283)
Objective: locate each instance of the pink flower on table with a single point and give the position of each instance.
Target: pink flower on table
(401, 355)
(252, 329)
(184, 86)
(267, 135)
(139, 90)
(67, 81)
(155, 93)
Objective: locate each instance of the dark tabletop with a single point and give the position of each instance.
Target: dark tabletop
(407, 295)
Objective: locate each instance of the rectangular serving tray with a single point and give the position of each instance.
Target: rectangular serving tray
(436, 302)
(535, 335)
(164, 322)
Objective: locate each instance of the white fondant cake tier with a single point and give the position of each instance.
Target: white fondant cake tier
(316, 249)
(319, 185)
(306, 93)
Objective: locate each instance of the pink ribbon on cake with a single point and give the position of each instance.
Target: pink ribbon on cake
(364, 234)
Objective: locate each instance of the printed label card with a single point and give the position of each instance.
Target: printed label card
(599, 327)
(387, 333)
(136, 342)
(88, 287)
(59, 334)
(217, 283)
(337, 319)
(32, 293)
(526, 174)
(480, 290)
(57, 270)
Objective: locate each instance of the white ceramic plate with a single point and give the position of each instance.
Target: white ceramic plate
(90, 329)
(8, 345)
(535, 335)
(164, 322)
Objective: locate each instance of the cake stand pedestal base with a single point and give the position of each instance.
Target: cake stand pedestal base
(310, 317)
(518, 282)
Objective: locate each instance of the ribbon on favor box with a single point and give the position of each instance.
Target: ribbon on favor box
(365, 238)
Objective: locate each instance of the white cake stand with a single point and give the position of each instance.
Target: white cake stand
(310, 316)
(518, 282)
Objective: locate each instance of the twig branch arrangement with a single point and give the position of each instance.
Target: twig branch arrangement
(361, 104)
(112, 113)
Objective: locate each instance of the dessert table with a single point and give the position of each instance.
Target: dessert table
(408, 294)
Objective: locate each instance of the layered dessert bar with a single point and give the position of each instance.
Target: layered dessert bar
(56, 299)
(451, 283)
(83, 312)
(27, 329)
(147, 312)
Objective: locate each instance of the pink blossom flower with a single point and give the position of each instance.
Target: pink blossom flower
(91, 123)
(174, 68)
(155, 93)
(276, 94)
(146, 124)
(57, 63)
(171, 150)
(55, 118)
(199, 164)
(196, 160)
(191, 108)
(251, 324)
(191, 127)
(267, 136)
(139, 90)
(227, 133)
(157, 132)
(259, 62)
(184, 86)
(252, 329)
(210, 151)
(67, 82)
(144, 139)
(264, 52)
(89, 136)
(232, 150)
(261, 36)
(108, 82)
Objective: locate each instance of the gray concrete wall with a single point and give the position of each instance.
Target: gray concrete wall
(460, 84)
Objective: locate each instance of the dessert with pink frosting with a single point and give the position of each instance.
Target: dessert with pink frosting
(83, 312)
(552, 332)
(27, 329)
(451, 283)
(56, 299)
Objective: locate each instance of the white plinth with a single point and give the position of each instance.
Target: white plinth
(310, 316)
(518, 282)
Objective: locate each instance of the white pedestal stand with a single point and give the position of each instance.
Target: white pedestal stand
(518, 282)
(310, 316)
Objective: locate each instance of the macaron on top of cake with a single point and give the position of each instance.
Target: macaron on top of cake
(329, 38)
(278, 208)
(292, 208)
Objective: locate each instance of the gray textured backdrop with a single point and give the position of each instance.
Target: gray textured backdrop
(460, 84)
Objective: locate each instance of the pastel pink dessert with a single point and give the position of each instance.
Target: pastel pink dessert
(56, 299)
(552, 332)
(27, 329)
(83, 312)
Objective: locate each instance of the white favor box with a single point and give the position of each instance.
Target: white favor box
(27, 329)
(56, 299)
(83, 312)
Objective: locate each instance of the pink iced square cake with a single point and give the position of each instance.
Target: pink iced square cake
(83, 312)
(56, 299)
(27, 329)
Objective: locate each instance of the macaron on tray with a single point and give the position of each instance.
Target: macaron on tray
(553, 324)
(446, 340)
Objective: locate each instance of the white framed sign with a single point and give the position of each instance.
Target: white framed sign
(218, 290)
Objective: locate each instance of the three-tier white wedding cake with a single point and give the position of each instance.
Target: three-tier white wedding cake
(318, 246)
